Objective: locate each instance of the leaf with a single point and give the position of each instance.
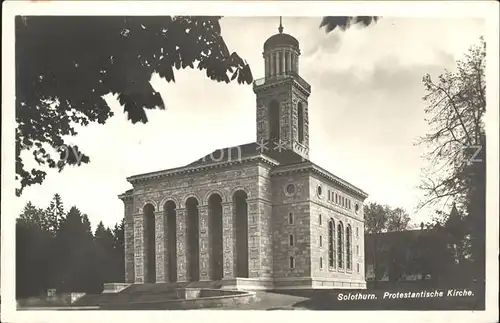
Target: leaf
(70, 62)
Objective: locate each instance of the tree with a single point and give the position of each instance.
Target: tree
(74, 245)
(33, 250)
(376, 217)
(119, 249)
(456, 104)
(105, 257)
(31, 216)
(397, 220)
(54, 214)
(65, 65)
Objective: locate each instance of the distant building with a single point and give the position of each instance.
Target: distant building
(382, 249)
(255, 216)
(430, 253)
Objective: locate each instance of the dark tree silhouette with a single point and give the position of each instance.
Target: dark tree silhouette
(68, 256)
(456, 104)
(66, 64)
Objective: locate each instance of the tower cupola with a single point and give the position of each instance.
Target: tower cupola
(281, 54)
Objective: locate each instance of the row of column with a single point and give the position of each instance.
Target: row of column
(281, 62)
(229, 249)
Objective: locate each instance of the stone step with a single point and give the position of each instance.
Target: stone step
(143, 293)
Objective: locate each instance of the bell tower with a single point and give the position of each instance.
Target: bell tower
(282, 107)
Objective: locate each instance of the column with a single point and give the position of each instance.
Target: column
(266, 239)
(139, 254)
(253, 238)
(228, 243)
(277, 63)
(268, 69)
(205, 265)
(289, 61)
(128, 236)
(181, 245)
(272, 64)
(283, 69)
(160, 247)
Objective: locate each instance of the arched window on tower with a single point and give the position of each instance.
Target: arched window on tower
(300, 119)
(274, 120)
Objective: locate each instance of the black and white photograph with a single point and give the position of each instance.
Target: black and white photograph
(243, 157)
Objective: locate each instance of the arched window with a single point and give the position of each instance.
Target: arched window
(274, 120)
(331, 252)
(348, 248)
(340, 245)
(300, 119)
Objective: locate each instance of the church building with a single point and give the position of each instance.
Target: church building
(256, 216)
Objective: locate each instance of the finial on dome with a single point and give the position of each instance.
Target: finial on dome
(280, 28)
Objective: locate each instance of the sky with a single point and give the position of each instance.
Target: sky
(365, 112)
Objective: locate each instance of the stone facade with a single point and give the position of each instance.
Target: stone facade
(251, 216)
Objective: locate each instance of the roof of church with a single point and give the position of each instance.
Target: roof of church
(228, 154)
(283, 161)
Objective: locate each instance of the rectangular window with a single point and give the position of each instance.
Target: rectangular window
(357, 232)
(321, 262)
(291, 240)
(319, 220)
(292, 262)
(290, 218)
(357, 250)
(336, 198)
(357, 268)
(321, 241)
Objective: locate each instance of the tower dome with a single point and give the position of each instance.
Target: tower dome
(279, 40)
(281, 54)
